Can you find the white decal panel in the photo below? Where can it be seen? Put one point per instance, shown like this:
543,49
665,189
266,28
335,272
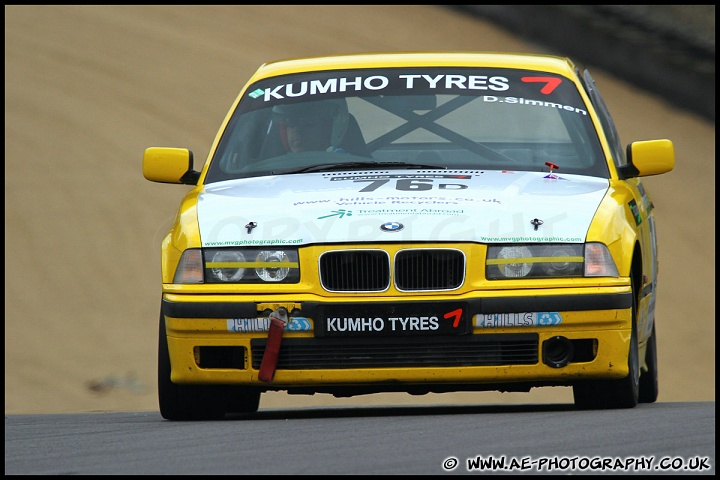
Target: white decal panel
474,206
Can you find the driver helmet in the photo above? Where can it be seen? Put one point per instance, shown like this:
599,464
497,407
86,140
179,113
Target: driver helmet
334,112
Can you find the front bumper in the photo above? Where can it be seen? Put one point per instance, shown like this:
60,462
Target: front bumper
221,339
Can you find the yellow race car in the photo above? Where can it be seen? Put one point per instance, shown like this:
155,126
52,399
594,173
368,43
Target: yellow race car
410,222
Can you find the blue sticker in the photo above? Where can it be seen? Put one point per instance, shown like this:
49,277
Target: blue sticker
299,324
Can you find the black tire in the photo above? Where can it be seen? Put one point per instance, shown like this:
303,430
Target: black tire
243,400
612,394
186,402
649,378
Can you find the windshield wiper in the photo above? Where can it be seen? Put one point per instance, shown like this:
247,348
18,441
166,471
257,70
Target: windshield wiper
331,167
411,165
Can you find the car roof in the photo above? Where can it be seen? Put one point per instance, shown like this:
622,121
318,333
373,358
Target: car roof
546,63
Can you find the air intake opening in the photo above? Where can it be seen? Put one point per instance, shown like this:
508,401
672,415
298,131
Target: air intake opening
220,357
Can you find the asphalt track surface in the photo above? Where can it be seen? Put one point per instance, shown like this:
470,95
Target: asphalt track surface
662,438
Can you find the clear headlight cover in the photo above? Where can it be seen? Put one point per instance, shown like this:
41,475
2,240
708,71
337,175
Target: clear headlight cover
549,261
226,265
251,265
275,265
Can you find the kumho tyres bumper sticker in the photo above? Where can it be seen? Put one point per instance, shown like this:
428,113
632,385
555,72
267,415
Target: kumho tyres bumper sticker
391,319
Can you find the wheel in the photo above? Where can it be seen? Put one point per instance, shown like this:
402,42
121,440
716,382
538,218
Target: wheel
649,378
243,400
186,402
609,394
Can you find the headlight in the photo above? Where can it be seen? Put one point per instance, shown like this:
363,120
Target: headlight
547,261
226,265
238,265
510,261
273,265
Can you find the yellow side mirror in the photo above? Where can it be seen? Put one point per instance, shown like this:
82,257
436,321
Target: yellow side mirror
650,157
169,165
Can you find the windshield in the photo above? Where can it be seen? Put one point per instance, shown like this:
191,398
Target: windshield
432,117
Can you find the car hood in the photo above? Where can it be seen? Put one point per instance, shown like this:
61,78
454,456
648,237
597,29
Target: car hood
399,206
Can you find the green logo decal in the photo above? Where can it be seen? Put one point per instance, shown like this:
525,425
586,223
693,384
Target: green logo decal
257,93
636,212
338,213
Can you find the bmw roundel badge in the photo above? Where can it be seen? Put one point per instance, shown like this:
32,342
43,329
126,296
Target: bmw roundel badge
391,227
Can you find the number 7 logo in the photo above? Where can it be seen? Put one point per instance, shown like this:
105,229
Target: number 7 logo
455,313
551,83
